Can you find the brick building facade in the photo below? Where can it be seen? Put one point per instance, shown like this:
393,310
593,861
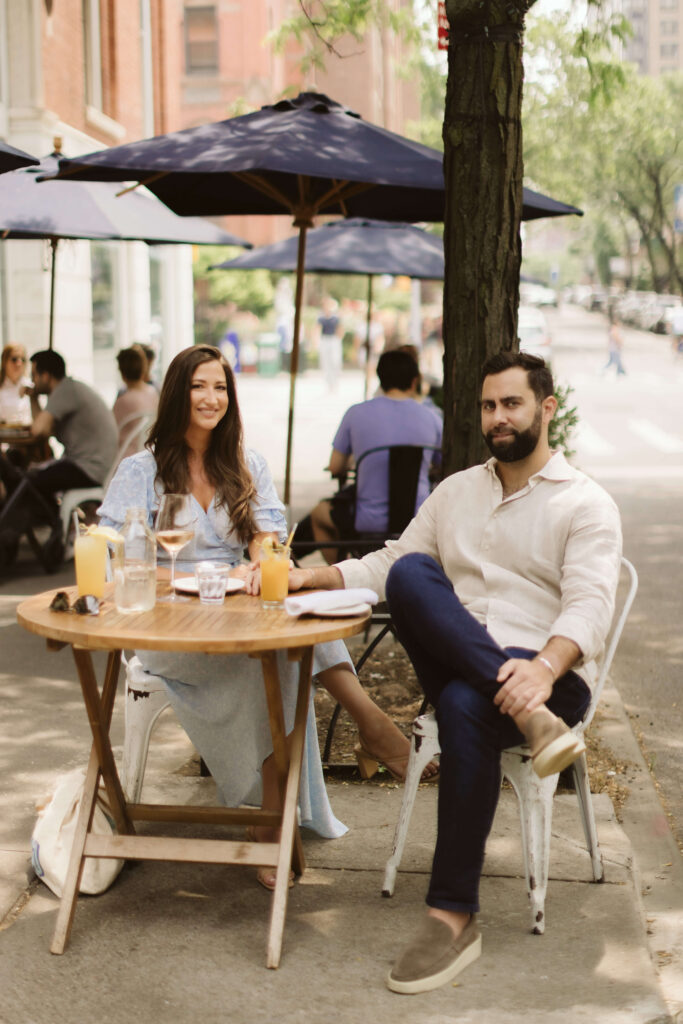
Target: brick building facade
100,72
95,73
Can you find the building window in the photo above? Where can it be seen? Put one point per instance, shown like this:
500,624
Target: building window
668,28
104,276
668,50
201,40
92,38
668,5
157,295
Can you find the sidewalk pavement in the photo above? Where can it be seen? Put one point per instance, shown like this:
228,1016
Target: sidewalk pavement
181,943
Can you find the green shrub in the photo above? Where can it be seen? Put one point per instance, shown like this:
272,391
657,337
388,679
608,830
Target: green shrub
564,421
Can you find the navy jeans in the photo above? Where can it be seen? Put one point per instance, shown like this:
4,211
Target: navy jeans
24,507
457,661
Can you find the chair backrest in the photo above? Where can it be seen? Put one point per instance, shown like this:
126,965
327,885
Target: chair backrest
619,621
131,430
403,471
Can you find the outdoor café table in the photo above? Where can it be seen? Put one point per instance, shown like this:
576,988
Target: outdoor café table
239,625
15,435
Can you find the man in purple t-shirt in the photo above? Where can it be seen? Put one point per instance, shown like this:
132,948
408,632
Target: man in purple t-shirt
392,418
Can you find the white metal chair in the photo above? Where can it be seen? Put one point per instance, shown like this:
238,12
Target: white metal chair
146,698
131,431
535,795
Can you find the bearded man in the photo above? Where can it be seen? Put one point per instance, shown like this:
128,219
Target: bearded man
502,592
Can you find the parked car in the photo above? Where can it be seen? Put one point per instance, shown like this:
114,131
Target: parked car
533,294
667,306
532,331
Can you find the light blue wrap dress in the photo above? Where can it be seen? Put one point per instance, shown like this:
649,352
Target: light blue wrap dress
220,699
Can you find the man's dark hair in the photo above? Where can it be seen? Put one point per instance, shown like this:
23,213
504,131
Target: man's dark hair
150,353
397,369
48,361
538,374
131,364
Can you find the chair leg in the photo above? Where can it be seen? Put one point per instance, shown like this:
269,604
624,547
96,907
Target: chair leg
424,745
144,704
535,810
583,793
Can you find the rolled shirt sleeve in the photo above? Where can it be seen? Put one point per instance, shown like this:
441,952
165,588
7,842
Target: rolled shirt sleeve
590,574
267,509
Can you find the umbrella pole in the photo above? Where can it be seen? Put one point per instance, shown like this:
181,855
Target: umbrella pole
367,339
294,365
53,261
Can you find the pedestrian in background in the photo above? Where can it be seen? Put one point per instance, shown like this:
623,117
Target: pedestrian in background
330,343
615,344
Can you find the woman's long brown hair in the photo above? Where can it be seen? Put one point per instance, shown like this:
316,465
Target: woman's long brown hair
224,459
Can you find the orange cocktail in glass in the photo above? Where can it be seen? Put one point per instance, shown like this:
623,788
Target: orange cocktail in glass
274,562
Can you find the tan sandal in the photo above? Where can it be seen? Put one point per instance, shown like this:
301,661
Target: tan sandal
368,766
266,875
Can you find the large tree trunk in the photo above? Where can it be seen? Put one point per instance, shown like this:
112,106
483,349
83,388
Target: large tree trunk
483,169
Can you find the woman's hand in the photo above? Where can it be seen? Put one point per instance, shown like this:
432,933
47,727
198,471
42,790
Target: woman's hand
240,572
252,578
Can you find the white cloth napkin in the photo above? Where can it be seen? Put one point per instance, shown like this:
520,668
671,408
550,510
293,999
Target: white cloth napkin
329,600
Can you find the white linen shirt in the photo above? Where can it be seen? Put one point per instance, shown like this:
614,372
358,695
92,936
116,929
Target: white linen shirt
543,562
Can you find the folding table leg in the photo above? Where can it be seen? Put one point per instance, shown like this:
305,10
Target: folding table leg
99,714
67,905
289,833
103,708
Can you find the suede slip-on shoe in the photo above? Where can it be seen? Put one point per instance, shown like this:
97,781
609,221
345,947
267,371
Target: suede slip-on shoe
434,957
553,745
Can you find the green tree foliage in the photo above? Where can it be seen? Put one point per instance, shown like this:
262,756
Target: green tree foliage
335,28
618,155
483,172
219,293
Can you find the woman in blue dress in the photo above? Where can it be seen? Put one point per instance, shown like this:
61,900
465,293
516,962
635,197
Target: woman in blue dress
195,446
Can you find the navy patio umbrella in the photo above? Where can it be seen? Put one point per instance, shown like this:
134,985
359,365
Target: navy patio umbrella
91,210
354,246
11,158
306,156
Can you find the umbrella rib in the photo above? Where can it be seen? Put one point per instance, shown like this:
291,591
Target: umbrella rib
147,181
266,187
342,191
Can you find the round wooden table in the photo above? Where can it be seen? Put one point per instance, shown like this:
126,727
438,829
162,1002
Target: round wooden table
238,626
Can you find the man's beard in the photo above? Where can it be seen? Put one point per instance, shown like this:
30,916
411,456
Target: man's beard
523,443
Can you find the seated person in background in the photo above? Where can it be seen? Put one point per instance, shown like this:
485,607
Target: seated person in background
15,404
80,420
150,355
421,387
138,397
392,417
502,592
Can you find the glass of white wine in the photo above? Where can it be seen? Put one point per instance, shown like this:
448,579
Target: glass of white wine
174,527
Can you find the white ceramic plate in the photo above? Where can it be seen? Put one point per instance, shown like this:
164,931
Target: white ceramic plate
340,613
188,585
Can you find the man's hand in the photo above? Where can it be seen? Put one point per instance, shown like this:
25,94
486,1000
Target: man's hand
300,578
320,577
525,686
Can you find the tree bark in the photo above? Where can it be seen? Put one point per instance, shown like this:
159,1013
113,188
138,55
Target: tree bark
483,171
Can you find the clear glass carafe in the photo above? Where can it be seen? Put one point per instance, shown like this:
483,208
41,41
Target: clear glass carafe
135,565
